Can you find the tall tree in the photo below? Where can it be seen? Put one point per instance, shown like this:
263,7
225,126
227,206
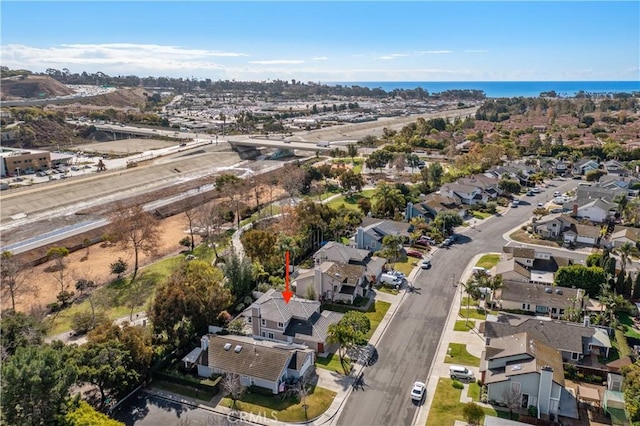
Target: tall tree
625,252
107,365
631,383
190,216
386,199
352,151
36,381
59,255
14,281
350,181
85,415
391,247
17,330
133,228
239,276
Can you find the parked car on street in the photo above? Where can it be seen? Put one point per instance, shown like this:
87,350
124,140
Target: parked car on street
418,391
425,264
414,253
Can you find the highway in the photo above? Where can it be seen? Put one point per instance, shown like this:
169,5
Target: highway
408,346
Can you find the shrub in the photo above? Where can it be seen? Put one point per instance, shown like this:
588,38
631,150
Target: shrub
472,413
457,385
532,411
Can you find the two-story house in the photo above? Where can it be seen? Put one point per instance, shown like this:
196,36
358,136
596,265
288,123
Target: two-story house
567,228
577,342
370,233
614,167
339,253
467,194
522,366
300,321
338,282
585,165
431,204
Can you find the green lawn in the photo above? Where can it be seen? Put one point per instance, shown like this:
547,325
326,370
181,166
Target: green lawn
333,363
446,407
464,326
375,313
183,390
474,391
264,212
474,313
284,410
627,322
488,261
407,266
351,201
457,354
469,300
384,289
481,215
116,294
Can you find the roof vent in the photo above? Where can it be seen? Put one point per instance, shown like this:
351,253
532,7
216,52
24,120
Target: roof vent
227,346
516,367
548,290
237,349
558,291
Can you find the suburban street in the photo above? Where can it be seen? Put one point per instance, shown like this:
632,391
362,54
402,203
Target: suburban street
407,349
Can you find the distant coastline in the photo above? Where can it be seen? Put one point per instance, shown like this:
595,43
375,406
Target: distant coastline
504,89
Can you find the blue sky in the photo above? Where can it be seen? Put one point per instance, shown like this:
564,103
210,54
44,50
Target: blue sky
328,41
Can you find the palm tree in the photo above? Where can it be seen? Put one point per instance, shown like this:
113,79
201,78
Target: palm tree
386,199
472,289
391,246
626,251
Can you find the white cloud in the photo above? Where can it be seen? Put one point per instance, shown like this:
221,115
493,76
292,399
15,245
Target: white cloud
319,58
433,52
386,58
278,62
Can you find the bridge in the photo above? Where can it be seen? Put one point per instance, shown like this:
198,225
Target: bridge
248,146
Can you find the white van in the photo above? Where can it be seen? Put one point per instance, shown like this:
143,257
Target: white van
460,373
390,279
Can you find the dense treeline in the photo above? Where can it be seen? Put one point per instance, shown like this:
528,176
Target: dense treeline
502,109
277,88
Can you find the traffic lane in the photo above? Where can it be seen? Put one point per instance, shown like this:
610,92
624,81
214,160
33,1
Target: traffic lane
149,410
408,346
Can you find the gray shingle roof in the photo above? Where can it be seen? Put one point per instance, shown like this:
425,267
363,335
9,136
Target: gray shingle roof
315,328
253,360
274,308
340,253
565,336
535,293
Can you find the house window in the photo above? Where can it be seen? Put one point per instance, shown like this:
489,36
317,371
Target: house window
270,335
263,334
263,322
249,320
575,356
281,325
515,387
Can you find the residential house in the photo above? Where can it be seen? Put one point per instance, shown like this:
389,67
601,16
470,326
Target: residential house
431,204
522,364
339,253
527,265
585,165
262,364
300,321
370,233
618,184
614,167
567,228
539,299
623,234
561,168
466,194
598,210
577,342
338,282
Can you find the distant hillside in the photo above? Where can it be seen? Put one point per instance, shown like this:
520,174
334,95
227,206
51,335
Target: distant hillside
42,131
121,98
32,87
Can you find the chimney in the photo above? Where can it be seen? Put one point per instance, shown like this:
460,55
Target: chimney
586,321
575,210
360,238
204,342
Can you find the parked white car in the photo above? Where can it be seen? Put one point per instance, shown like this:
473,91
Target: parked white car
418,391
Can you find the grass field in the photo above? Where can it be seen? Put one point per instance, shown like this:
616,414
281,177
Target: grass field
627,322
474,313
333,363
351,201
375,314
457,354
446,407
118,293
481,215
464,326
488,261
284,410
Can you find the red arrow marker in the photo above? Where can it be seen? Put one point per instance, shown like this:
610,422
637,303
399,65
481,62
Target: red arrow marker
287,293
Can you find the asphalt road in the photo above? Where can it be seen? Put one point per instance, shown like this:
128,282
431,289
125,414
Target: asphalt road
409,344
148,410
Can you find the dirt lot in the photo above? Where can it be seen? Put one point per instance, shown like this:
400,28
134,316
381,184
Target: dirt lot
96,265
127,146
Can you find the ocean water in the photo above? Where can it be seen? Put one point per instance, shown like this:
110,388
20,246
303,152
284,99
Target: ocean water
504,89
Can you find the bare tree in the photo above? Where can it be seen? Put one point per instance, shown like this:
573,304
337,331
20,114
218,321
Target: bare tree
511,397
210,218
190,218
13,277
233,387
59,255
135,229
293,178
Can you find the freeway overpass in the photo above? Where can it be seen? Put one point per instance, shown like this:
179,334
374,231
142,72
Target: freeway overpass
248,146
